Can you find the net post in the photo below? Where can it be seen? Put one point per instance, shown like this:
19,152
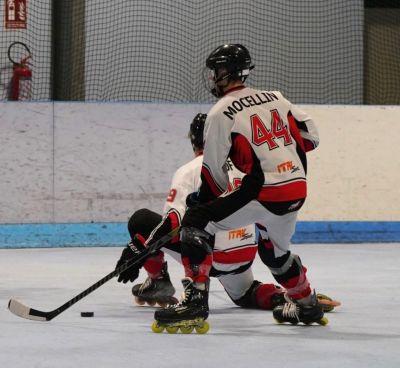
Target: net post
69,42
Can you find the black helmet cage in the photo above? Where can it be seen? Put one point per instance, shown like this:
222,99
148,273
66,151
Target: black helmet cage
230,61
196,131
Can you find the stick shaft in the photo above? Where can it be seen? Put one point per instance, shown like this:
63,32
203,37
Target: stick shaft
17,308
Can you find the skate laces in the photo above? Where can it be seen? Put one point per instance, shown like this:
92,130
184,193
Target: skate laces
185,296
287,298
291,310
147,283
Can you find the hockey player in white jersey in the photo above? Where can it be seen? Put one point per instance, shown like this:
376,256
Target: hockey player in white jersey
267,138
233,252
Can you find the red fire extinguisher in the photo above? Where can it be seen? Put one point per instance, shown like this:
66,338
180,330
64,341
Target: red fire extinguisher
21,82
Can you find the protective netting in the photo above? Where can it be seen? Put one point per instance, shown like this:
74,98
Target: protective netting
155,50
313,51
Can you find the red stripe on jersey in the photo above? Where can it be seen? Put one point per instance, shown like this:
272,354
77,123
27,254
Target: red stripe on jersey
175,222
209,180
283,192
236,256
242,154
295,132
308,145
233,89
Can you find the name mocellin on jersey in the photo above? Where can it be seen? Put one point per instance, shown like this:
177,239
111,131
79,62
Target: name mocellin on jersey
248,101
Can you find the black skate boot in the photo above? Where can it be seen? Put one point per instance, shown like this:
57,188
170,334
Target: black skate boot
328,304
278,299
156,291
190,313
294,312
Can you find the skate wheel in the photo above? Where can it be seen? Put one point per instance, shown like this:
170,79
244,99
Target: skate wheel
139,301
327,303
323,297
163,304
155,327
323,321
152,303
172,329
187,329
203,328
327,308
277,321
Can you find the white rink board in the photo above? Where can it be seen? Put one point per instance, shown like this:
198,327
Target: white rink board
93,162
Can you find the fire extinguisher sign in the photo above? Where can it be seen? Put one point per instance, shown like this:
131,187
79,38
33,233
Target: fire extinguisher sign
15,14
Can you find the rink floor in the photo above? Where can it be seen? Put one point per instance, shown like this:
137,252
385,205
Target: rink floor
363,332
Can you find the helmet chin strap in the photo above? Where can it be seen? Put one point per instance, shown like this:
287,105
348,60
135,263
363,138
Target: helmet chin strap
218,91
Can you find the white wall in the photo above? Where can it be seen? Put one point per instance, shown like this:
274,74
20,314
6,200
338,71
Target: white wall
355,173
76,162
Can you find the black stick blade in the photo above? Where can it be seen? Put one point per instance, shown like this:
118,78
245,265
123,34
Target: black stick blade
23,311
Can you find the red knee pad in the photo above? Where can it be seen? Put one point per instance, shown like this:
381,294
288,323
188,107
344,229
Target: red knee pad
264,295
198,272
154,265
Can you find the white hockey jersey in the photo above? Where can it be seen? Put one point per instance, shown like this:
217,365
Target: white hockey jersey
233,248
265,136
187,180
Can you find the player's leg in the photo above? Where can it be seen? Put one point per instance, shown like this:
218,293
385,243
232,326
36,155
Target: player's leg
193,309
197,261
288,270
246,292
233,254
157,288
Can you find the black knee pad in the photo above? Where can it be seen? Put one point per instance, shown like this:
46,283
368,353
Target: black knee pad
195,244
248,300
282,268
143,222
267,255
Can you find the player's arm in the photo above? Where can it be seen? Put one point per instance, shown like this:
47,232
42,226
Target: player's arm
182,185
214,175
174,210
303,122
306,126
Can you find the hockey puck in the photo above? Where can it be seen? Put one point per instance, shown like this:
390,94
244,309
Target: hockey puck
87,314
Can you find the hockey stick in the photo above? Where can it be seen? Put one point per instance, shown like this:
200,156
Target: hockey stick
24,311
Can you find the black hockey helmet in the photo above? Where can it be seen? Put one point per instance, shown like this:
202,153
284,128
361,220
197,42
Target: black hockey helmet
229,61
196,131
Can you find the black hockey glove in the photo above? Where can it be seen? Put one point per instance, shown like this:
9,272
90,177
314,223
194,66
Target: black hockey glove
134,248
192,199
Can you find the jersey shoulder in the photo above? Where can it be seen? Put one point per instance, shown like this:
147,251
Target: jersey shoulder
191,168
